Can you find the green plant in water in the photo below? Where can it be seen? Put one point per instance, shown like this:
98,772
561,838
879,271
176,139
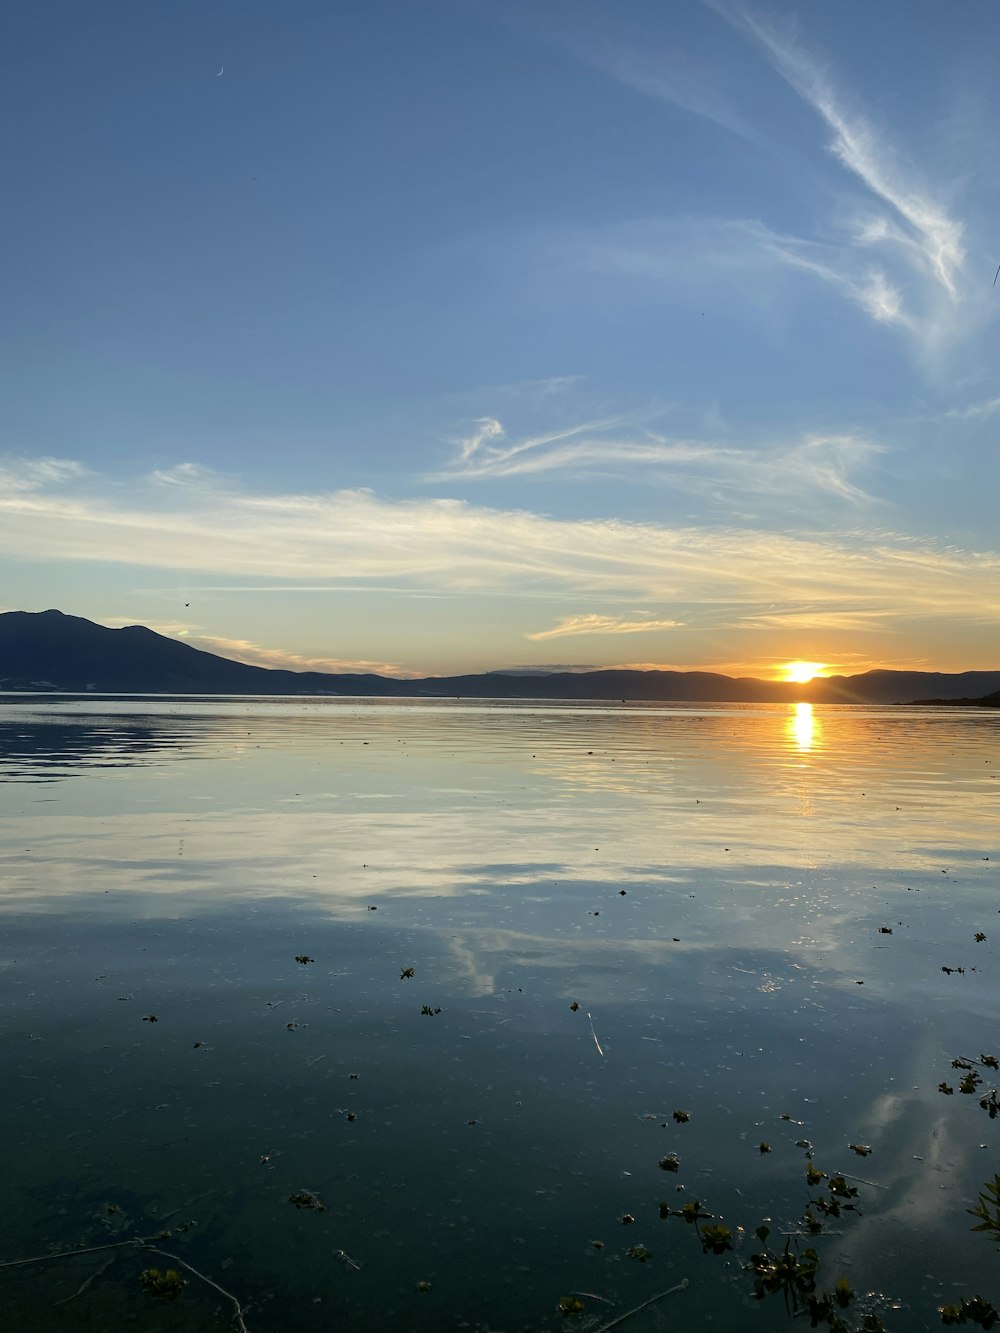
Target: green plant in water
306,1199
987,1208
972,1080
787,1272
715,1239
168,1285
976,1311
639,1252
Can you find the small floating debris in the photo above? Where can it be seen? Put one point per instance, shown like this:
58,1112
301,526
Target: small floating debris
426,1009
682,1117
406,973
669,1163
151,1018
304,958
306,1199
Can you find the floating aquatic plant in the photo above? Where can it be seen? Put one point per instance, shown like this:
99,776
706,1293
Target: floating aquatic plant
976,1311
306,1199
167,1285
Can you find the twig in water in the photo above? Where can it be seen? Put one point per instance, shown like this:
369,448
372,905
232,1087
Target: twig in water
681,1286
348,1260
594,1035
68,1254
861,1180
87,1281
191,1269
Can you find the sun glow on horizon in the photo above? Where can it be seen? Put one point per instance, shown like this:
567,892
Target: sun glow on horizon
801,673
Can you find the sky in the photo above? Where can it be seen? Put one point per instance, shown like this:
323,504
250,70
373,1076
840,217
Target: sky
433,336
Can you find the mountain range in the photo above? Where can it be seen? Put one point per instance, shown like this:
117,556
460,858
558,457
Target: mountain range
52,651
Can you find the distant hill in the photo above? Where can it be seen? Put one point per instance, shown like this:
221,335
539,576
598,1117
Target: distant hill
48,650
987,701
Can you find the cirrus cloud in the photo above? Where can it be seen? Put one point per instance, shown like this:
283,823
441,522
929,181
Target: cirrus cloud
597,624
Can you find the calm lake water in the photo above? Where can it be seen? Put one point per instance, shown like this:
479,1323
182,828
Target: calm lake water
714,888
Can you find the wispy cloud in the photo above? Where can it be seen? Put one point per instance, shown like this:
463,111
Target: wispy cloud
444,547
596,624
244,650
973,411
823,464
904,218
22,475
676,77
820,618
895,249
921,224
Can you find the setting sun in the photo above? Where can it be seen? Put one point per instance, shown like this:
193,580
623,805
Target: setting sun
800,673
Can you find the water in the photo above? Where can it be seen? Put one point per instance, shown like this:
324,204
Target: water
710,886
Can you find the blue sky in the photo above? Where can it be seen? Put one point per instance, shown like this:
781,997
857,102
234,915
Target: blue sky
432,337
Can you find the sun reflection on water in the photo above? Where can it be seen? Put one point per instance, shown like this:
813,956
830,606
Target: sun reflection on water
803,727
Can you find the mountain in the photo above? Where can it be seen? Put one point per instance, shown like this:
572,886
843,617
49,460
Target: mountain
987,701
48,650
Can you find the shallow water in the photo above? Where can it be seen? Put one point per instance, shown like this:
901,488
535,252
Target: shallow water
711,886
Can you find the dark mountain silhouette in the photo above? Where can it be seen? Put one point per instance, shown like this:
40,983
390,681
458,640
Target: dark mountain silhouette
48,650
987,701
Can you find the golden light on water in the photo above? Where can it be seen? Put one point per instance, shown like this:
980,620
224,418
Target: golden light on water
802,726
800,673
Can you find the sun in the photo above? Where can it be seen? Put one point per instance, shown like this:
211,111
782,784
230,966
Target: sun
800,673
